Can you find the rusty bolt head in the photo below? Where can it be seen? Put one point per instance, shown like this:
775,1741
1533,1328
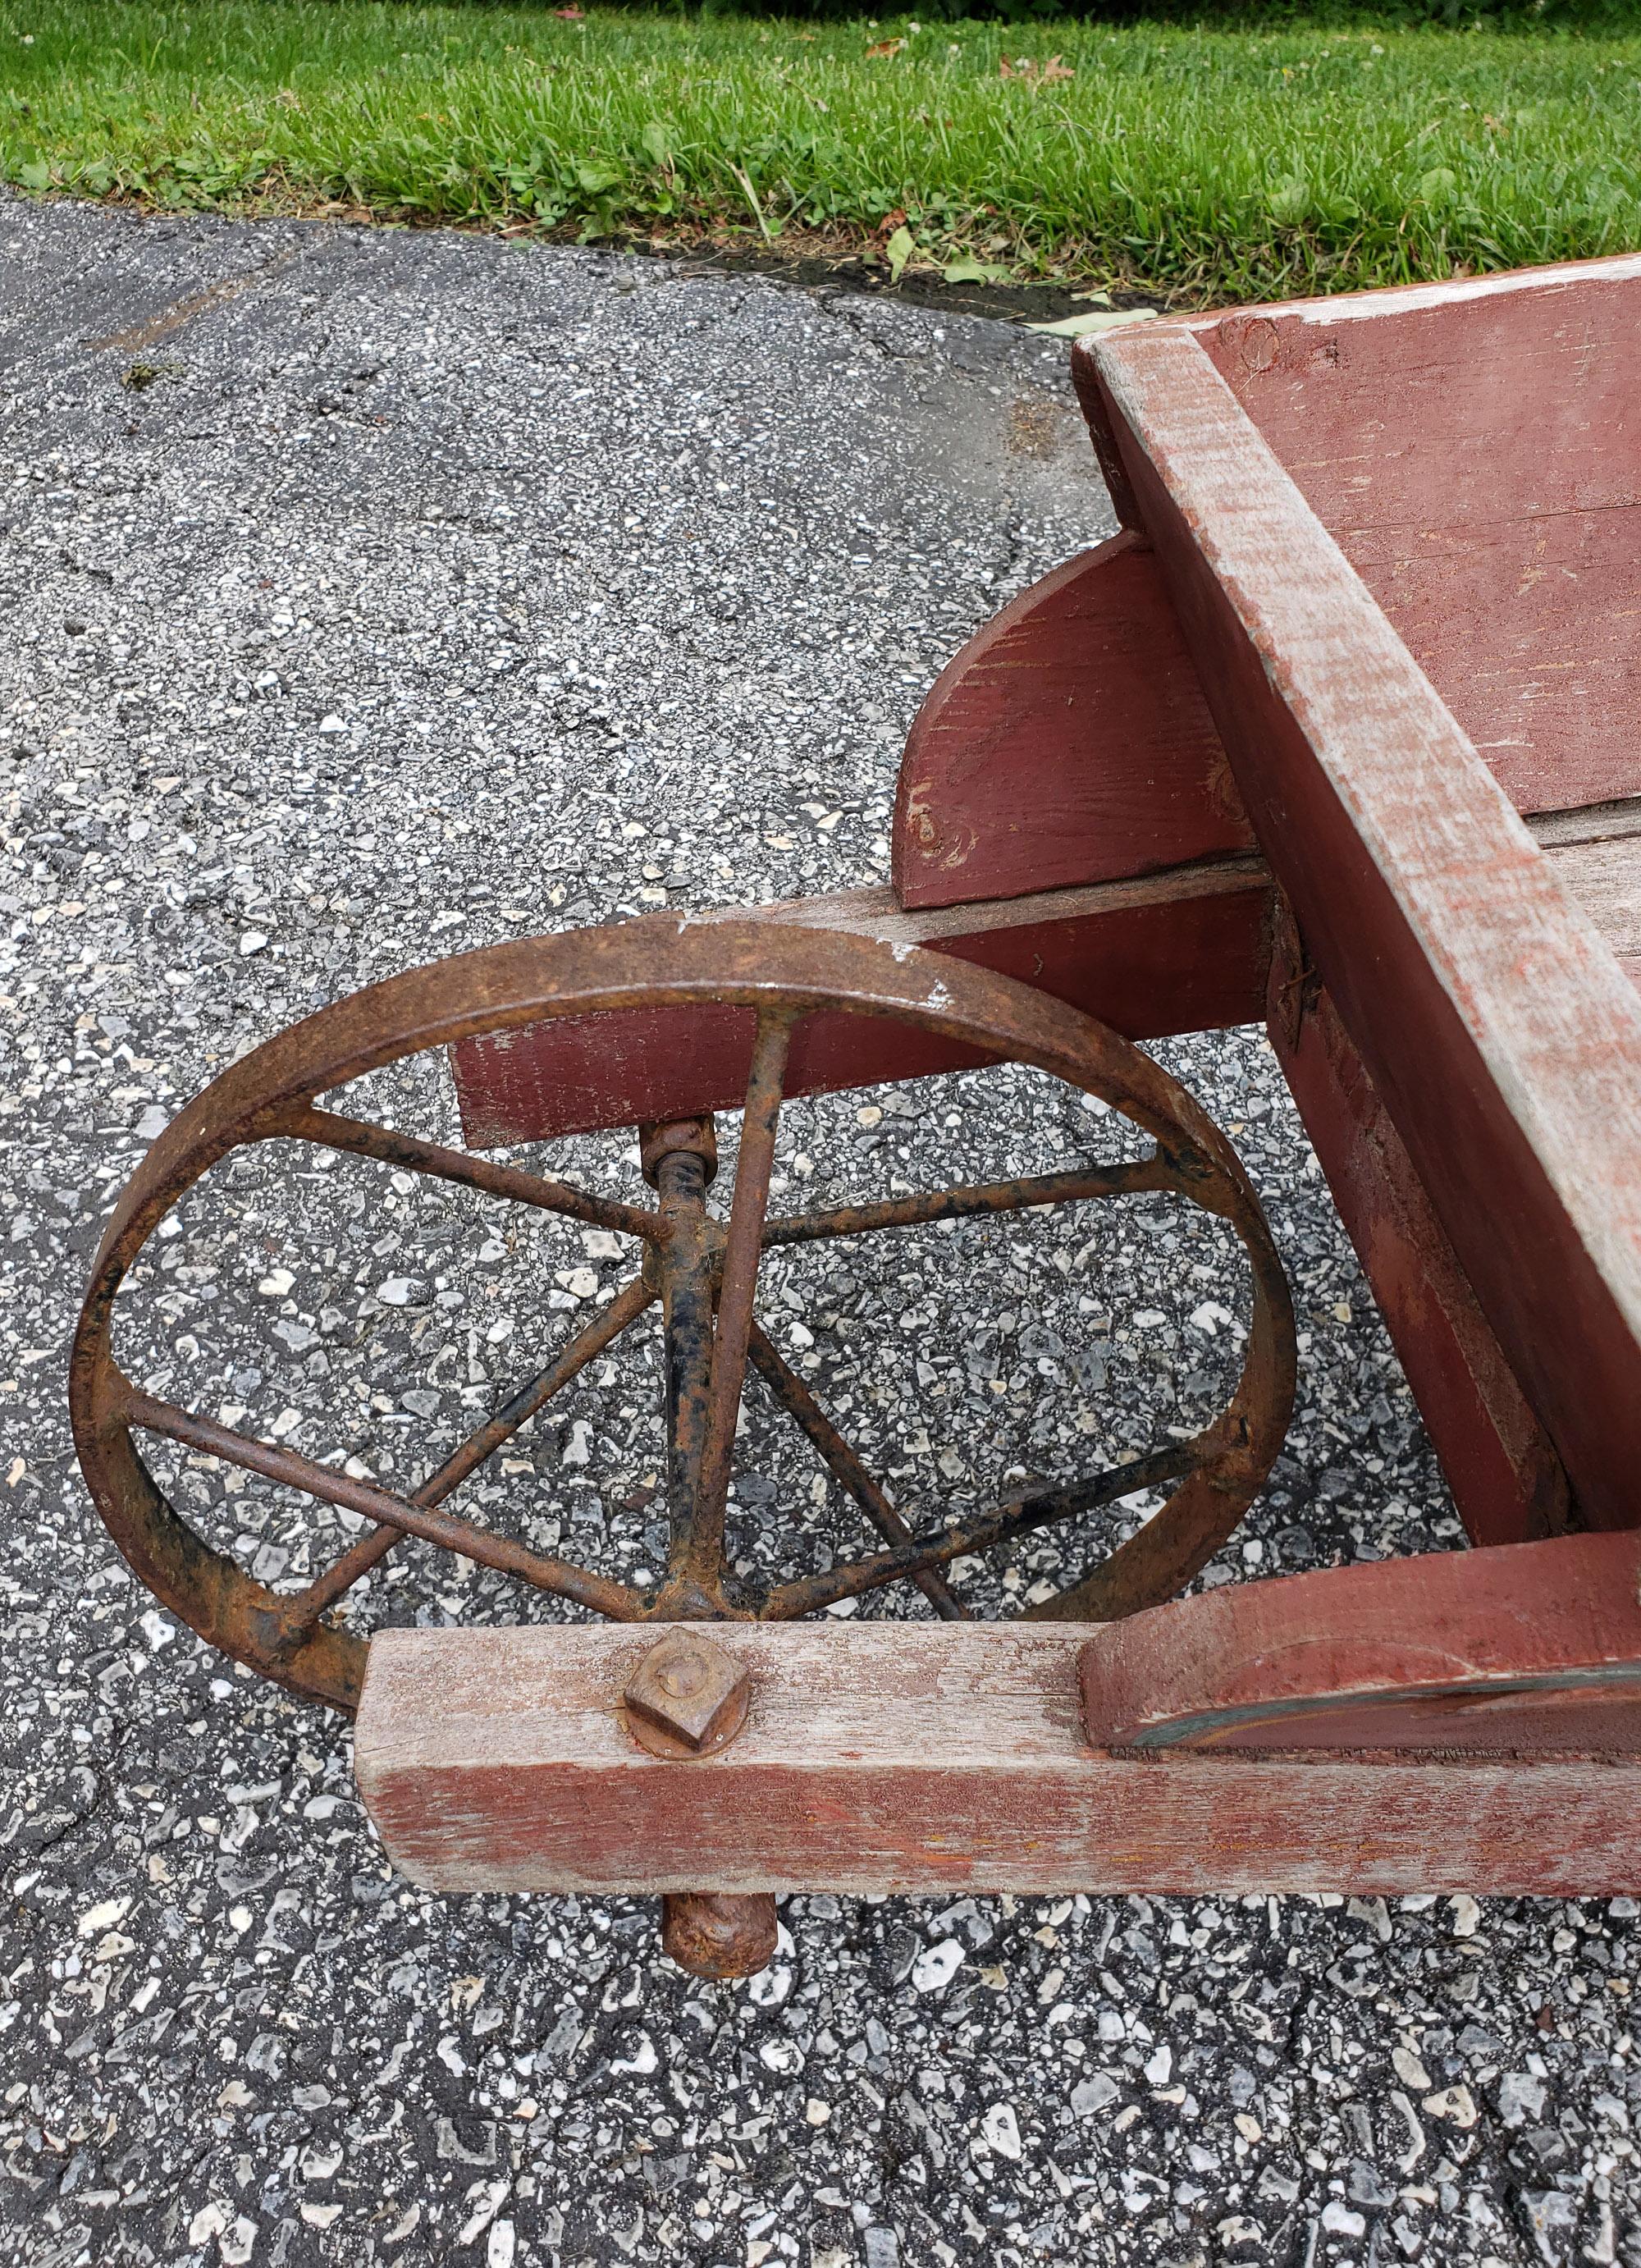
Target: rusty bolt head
688,1697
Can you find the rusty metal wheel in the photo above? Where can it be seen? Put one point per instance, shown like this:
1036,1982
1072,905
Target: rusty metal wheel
702,1272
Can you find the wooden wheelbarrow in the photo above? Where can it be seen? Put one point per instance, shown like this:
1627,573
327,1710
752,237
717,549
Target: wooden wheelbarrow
1342,733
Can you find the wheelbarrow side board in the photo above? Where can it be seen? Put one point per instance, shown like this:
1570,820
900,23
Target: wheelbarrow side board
1492,1016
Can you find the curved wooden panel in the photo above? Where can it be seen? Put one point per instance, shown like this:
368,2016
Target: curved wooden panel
1530,1649
1069,741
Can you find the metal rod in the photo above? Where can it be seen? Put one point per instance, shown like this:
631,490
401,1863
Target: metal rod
304,1123
605,1597
845,1466
738,1284
983,1533
686,1265
306,1608
1131,1177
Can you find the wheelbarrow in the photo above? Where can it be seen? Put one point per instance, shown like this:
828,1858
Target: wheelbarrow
1337,735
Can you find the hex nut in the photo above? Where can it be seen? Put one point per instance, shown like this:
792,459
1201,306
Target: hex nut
688,1697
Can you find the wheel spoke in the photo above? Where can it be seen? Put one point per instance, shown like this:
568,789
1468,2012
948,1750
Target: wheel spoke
985,1533
742,1246
686,1269
1130,1178
357,1561
308,1124
845,1466
396,1512
1160,1559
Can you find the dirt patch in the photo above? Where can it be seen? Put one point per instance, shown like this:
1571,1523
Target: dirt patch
808,268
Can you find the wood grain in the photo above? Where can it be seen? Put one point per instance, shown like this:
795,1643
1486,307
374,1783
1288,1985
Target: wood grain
1174,952
917,1757
1478,456
1475,450
1493,1020
1180,951
1507,1482
1528,1650
1069,741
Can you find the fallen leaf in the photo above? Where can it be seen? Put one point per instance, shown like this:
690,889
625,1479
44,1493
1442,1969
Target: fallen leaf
569,15
1032,71
966,269
885,47
1100,318
898,251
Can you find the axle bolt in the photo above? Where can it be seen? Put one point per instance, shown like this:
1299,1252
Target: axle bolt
688,1697
661,1138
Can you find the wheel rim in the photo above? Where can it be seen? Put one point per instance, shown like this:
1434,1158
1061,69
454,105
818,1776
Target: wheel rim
704,1277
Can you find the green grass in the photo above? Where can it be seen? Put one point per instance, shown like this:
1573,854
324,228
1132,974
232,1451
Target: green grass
1215,163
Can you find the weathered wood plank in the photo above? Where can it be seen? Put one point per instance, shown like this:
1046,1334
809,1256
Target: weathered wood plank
1604,874
1493,1020
885,1757
1506,1480
1528,1650
1166,954
1174,952
1067,742
1477,452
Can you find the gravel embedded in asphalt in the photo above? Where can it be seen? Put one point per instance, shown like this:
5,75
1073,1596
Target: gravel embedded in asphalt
370,595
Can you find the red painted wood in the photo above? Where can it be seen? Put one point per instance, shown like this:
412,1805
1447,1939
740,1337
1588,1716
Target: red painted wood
1506,1479
577,1074
918,1756
1170,953
1531,1649
1495,1023
1068,741
1173,952
1475,450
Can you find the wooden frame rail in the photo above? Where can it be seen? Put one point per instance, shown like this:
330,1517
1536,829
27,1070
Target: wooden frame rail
922,1758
